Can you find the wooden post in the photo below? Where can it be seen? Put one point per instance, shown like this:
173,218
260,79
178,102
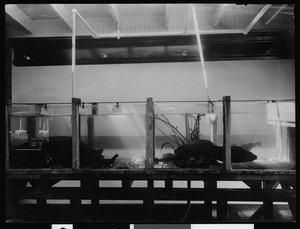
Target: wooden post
149,201
75,133
91,128
268,203
227,132
210,187
150,134
187,128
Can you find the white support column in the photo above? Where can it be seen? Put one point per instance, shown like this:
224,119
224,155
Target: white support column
200,48
73,51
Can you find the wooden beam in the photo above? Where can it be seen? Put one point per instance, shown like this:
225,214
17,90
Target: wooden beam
63,13
219,12
187,20
257,17
276,13
227,132
75,133
18,15
115,15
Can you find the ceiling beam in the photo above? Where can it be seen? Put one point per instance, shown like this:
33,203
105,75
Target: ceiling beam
63,13
276,13
18,15
257,17
167,16
219,12
187,20
115,15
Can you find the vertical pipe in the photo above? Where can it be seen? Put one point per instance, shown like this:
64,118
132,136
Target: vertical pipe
75,133
200,49
227,132
150,135
73,51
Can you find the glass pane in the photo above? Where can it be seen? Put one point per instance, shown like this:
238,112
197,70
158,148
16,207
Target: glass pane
178,124
40,136
115,133
267,130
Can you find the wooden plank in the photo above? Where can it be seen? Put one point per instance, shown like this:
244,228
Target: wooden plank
63,13
150,134
18,15
227,132
257,17
163,174
113,9
75,133
276,13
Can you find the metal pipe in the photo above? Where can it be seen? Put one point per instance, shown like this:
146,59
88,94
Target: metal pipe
200,49
73,50
82,19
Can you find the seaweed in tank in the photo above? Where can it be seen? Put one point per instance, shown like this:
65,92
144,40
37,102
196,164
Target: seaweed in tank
196,152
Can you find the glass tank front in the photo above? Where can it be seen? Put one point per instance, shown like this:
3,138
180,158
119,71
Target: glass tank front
266,129
116,134
186,135
40,136
190,135
181,124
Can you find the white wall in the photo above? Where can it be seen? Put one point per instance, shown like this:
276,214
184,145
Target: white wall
249,79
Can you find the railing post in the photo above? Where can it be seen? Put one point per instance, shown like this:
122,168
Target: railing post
150,134
75,133
227,132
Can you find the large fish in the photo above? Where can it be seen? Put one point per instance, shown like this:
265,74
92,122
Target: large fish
205,149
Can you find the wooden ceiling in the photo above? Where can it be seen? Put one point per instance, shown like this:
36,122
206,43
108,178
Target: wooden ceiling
148,32
54,20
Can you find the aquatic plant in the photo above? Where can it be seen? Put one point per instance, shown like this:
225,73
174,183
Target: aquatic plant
177,137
